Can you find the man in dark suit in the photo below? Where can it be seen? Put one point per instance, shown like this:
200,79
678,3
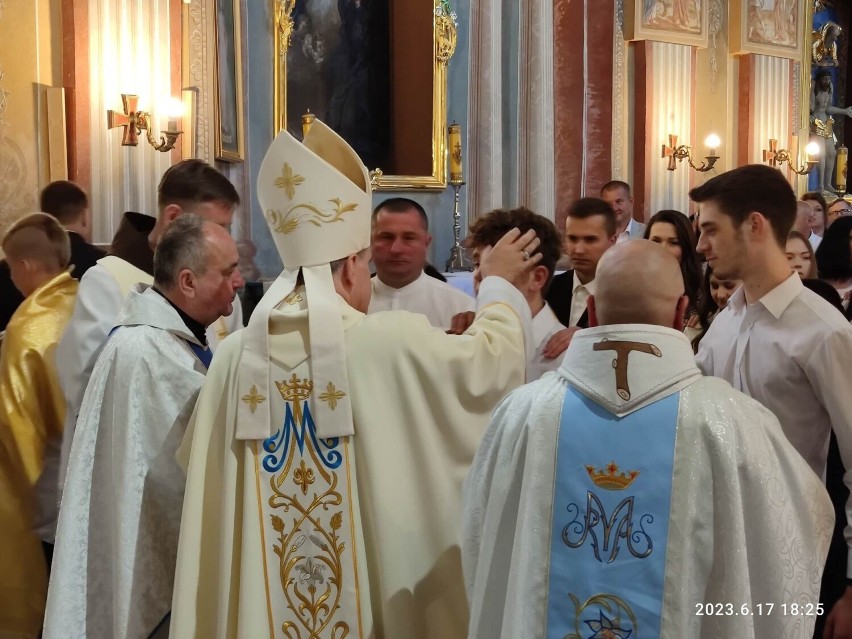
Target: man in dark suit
68,203
590,229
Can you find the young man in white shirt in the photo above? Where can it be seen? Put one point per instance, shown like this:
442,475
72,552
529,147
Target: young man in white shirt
399,241
776,341
617,194
486,232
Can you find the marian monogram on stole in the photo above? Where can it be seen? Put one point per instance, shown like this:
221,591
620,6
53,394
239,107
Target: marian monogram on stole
307,523
610,524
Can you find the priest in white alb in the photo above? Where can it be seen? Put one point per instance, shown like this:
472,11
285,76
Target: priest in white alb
628,496
189,186
328,447
113,565
399,241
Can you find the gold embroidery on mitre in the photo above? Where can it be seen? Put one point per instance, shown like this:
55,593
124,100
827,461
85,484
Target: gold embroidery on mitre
609,478
289,181
620,363
294,298
253,398
286,223
332,396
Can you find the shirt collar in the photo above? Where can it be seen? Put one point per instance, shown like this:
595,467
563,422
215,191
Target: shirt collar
589,286
196,328
384,288
775,301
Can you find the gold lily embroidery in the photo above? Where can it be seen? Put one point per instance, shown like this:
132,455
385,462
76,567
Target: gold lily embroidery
289,181
332,396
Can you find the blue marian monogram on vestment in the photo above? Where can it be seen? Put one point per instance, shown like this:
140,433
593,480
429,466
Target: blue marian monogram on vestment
620,522
278,446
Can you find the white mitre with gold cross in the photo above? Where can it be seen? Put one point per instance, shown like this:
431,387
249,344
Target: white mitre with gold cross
316,199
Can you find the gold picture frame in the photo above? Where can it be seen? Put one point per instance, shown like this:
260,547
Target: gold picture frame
228,85
673,21
753,30
444,37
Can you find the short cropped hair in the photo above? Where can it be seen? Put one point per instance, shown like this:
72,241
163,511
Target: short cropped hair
587,207
489,228
401,205
833,255
184,245
192,182
64,200
41,238
615,184
750,188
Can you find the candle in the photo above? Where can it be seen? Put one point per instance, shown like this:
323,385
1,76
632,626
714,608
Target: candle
456,174
307,121
713,142
840,173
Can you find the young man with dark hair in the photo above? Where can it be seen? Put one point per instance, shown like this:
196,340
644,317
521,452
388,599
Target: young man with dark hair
617,194
399,241
69,204
485,233
190,186
776,340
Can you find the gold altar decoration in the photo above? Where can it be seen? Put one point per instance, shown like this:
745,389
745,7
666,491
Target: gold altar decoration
444,40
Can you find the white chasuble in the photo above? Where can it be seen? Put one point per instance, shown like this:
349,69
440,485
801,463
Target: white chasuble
269,545
627,496
116,539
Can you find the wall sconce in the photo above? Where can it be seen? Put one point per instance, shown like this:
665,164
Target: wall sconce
777,157
683,152
134,121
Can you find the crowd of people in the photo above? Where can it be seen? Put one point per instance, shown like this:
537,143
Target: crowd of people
649,442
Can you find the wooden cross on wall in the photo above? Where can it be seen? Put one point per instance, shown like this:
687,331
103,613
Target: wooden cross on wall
772,154
669,152
128,120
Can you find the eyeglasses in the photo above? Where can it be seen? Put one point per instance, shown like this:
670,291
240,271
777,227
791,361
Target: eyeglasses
838,212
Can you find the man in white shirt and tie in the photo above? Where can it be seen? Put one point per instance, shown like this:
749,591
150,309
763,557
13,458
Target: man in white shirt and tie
617,194
399,241
776,340
590,229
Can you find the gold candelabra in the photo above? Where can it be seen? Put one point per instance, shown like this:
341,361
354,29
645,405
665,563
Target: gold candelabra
683,152
775,157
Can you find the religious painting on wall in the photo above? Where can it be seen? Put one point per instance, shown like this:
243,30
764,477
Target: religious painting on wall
338,68
229,83
674,21
767,27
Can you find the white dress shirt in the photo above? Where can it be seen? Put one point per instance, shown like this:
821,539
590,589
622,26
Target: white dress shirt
431,297
791,350
815,240
580,293
544,326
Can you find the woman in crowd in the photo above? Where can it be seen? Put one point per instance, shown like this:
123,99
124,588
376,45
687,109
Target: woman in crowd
817,220
713,299
834,258
800,254
673,230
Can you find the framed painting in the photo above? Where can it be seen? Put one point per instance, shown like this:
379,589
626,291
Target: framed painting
674,21
376,73
229,138
767,27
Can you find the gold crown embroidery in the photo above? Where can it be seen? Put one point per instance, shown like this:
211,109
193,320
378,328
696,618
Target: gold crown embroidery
609,478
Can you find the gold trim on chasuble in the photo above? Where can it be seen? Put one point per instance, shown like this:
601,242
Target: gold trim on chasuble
301,507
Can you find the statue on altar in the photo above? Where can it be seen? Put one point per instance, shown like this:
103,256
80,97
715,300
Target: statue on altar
822,126
825,43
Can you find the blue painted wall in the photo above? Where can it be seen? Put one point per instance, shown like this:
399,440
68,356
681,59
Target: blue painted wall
259,44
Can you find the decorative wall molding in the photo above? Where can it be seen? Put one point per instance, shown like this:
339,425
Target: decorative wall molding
714,29
200,73
619,89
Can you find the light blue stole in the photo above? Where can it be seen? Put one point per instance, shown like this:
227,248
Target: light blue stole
611,506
